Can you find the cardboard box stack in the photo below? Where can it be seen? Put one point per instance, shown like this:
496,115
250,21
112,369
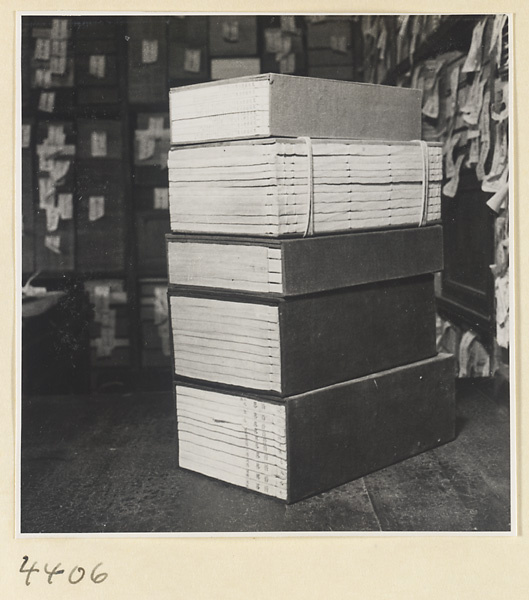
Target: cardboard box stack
305,218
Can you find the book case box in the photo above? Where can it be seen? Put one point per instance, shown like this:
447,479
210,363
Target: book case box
303,445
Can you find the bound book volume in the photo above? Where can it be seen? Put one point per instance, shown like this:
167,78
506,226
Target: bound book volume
305,342
280,187
296,266
314,441
235,438
270,105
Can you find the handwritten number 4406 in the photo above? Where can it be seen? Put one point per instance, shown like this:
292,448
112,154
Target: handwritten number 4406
75,576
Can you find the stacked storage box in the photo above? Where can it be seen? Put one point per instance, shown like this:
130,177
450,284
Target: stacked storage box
301,293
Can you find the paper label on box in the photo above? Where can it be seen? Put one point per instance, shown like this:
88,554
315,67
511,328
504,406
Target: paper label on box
101,301
230,31
473,155
59,169
156,126
483,154
498,169
42,49
47,102
288,23
42,78
159,314
382,43
56,135
496,38
59,28
316,18
484,129
52,218
454,89
160,294
46,193
106,343
59,48
57,65
108,318
472,107
65,206
451,186
104,346
161,198
500,108
45,163
463,139
474,56
146,145
26,136
192,60
53,243
273,40
97,65
96,207
484,118
119,297
98,143
288,64
431,101
448,154
39,76
160,305
149,51
68,150
50,151
339,43
502,295
286,47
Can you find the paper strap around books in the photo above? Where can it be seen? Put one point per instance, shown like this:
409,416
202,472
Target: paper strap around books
425,179
309,229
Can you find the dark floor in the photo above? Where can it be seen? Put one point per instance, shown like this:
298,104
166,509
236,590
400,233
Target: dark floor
108,464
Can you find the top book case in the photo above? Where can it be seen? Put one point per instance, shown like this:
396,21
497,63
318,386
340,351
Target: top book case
270,104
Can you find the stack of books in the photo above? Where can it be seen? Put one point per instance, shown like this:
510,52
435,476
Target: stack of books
301,293
262,106
261,188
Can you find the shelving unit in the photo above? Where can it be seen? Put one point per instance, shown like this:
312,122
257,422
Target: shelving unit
474,235
108,239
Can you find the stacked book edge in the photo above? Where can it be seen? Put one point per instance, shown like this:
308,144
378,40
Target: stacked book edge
309,443
271,104
297,266
292,345
281,187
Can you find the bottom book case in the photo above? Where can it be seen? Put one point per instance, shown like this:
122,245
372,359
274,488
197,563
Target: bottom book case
298,446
